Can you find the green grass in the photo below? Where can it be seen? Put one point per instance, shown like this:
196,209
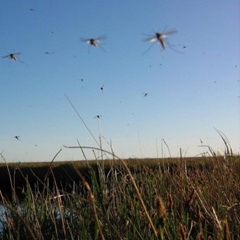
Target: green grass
132,199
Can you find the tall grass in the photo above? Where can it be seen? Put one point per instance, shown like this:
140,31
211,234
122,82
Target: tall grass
177,200
197,199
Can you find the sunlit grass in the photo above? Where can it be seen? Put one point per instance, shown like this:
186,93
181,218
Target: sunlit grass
132,199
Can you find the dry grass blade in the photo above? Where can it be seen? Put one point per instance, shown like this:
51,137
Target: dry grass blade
81,119
228,151
60,205
50,166
215,217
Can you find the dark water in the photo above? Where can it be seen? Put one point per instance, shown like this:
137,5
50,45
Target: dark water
2,210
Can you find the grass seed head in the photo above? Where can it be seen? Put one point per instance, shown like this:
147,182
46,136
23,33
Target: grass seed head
200,236
182,232
191,197
199,213
170,204
226,231
189,201
161,210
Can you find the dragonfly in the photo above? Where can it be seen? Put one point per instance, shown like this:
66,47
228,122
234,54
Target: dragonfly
17,137
160,37
95,42
98,116
13,56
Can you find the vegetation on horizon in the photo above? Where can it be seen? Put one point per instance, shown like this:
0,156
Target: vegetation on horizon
161,201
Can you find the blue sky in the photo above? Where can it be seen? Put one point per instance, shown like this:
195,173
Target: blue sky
189,93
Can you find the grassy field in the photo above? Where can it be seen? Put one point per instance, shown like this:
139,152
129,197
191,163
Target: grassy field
185,198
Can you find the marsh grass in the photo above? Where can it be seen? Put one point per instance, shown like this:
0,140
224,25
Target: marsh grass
141,199
182,198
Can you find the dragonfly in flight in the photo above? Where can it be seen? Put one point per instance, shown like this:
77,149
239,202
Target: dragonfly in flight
161,38
13,56
95,42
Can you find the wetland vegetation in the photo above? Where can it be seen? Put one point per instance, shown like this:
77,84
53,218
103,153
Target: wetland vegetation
174,198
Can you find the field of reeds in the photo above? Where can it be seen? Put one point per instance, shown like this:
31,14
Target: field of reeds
181,198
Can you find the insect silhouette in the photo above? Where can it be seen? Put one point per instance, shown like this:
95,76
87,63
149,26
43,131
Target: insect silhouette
145,94
98,116
95,42
48,53
17,137
161,38
102,88
13,56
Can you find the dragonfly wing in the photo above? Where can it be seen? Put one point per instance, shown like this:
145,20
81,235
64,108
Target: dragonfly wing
169,33
97,41
85,40
152,39
101,38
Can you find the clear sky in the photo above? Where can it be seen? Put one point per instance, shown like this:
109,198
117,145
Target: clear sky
192,86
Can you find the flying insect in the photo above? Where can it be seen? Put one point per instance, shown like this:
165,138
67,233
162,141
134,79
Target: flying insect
12,56
95,42
161,38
